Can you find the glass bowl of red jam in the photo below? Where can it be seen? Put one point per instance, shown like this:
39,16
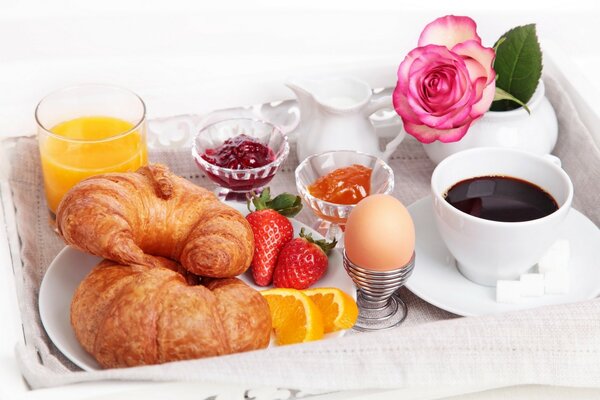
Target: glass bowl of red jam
240,154
332,183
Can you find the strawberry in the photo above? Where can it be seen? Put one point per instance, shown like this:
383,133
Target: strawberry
272,230
302,262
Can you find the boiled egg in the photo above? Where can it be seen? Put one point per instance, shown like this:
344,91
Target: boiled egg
380,234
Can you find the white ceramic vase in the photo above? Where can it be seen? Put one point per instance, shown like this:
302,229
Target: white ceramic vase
535,132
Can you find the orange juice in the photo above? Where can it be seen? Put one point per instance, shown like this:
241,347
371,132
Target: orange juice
88,146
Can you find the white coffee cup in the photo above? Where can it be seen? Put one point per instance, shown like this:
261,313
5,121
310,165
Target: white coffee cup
485,250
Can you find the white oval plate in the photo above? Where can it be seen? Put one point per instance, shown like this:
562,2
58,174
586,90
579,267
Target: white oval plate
436,279
71,266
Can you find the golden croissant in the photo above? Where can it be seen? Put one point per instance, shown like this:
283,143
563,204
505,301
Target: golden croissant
137,315
130,217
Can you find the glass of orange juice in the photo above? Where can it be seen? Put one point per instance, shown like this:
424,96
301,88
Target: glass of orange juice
88,130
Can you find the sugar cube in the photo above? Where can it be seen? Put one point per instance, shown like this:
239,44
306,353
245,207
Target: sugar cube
556,258
508,291
557,282
532,285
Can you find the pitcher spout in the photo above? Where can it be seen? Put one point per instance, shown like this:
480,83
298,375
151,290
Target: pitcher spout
299,84
306,101
301,88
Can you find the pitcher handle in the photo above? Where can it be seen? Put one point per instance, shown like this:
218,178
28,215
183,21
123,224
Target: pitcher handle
379,104
291,129
393,144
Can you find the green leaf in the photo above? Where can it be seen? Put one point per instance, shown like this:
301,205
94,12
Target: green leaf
260,201
502,95
322,243
518,66
285,204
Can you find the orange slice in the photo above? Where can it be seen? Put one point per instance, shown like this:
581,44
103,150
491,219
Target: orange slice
296,318
339,310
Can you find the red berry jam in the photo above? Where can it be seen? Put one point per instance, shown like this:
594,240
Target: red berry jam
240,152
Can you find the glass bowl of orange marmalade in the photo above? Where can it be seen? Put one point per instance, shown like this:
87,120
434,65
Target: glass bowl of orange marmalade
332,183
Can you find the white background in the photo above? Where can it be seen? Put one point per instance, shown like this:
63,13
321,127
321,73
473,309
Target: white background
177,54
195,56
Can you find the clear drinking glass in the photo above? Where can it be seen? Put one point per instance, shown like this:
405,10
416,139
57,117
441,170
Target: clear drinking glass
332,216
88,130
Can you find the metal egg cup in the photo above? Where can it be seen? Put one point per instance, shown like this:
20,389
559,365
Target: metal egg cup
379,305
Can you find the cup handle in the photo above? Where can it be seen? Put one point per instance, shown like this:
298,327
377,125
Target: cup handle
553,159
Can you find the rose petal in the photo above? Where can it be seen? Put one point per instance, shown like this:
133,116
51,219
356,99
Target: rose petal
453,119
403,71
459,86
476,70
403,108
418,57
430,56
450,118
483,55
431,59
446,111
478,85
483,105
454,135
425,134
449,31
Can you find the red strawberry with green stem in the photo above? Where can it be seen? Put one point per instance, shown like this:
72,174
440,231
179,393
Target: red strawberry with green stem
302,262
271,229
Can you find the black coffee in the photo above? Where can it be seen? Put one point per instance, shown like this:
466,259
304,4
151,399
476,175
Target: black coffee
501,198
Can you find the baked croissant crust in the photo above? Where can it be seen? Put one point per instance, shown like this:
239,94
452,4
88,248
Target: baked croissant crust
131,217
137,315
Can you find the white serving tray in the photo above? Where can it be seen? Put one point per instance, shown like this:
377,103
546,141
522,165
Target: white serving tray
177,131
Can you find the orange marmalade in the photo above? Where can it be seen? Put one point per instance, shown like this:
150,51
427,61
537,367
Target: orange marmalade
347,185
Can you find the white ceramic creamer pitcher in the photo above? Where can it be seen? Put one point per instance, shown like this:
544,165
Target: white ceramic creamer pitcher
334,115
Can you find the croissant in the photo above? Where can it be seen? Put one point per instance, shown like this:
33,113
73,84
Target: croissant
136,315
130,217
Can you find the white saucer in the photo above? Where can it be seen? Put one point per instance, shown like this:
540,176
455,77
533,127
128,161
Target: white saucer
436,280
71,266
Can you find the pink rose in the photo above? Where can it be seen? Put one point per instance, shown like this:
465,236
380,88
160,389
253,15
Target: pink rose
446,83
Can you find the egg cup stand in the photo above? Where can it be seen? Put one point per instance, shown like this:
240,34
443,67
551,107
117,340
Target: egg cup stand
379,305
